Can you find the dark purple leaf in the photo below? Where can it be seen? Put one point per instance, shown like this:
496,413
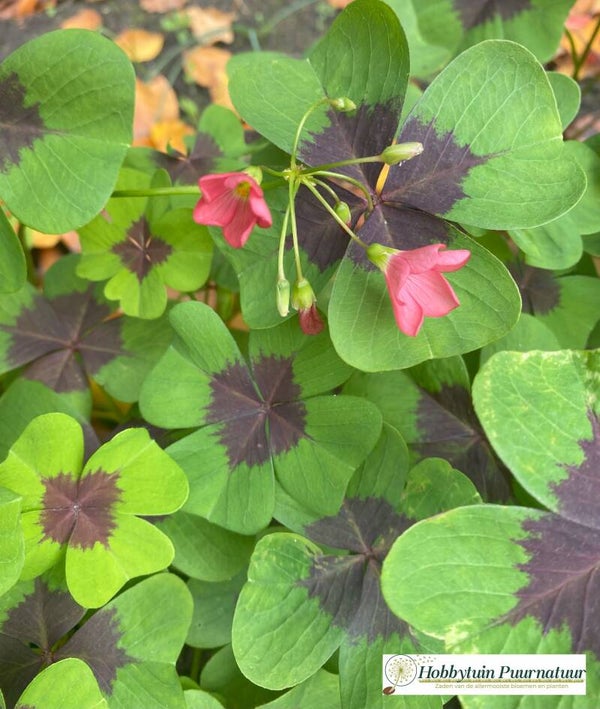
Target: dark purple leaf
260,420
66,339
80,512
564,579
32,637
320,236
97,644
21,124
186,169
564,551
539,289
347,587
140,250
432,181
29,634
361,133
448,428
407,207
579,493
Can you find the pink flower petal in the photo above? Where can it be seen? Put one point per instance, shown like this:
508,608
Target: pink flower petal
452,260
214,185
416,286
233,201
433,293
422,259
217,212
260,209
409,315
310,320
237,230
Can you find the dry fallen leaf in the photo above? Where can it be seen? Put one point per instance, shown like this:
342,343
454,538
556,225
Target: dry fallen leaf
86,19
170,133
210,25
155,101
204,65
207,67
161,5
17,9
40,240
140,45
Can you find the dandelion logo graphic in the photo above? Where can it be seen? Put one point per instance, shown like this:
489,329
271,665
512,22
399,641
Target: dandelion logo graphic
400,670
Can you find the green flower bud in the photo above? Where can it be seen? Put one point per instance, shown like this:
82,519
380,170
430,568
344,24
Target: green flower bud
303,296
342,104
343,212
400,152
283,296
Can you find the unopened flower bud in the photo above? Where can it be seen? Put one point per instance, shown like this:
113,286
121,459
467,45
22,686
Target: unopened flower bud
400,152
304,301
343,212
283,296
303,296
342,104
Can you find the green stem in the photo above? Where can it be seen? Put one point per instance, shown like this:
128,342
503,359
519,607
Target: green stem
293,189
331,211
303,120
31,271
342,163
580,61
571,41
352,181
196,664
326,187
158,191
280,269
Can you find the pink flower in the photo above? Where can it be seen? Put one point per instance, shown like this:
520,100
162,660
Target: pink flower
234,201
305,302
311,323
415,282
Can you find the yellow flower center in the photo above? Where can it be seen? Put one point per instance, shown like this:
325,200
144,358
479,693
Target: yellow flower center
242,190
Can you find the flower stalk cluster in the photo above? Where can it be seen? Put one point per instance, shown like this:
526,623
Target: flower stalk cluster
235,202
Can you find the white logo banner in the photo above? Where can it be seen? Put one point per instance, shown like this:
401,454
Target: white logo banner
483,674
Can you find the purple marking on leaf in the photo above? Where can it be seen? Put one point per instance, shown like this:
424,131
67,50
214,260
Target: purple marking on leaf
320,236
540,291
432,181
97,644
347,587
80,512
21,125
578,494
564,583
29,633
477,12
140,250
448,428
58,370
66,338
246,414
399,228
361,133
186,169
365,526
